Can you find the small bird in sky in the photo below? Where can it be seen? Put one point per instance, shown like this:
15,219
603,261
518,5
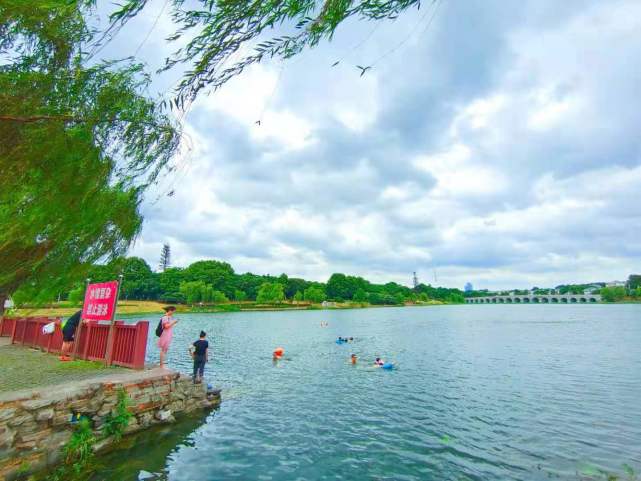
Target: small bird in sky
257,123
171,193
363,69
336,63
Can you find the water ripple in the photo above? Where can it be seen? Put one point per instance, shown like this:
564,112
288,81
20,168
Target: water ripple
480,393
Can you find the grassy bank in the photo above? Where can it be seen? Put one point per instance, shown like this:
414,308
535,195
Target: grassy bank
64,309
131,308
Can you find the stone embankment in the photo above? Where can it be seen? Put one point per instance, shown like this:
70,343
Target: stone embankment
35,425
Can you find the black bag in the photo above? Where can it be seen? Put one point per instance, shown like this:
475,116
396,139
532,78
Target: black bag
159,329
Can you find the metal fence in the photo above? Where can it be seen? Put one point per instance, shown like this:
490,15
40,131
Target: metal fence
127,348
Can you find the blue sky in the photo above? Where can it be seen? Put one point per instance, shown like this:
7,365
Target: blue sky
498,145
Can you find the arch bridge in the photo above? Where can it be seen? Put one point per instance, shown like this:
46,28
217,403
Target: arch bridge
537,299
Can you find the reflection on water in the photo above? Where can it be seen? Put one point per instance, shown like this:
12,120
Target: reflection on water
147,452
480,393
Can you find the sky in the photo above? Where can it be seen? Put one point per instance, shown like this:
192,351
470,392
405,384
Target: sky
491,142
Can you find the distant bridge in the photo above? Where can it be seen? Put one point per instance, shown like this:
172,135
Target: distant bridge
536,299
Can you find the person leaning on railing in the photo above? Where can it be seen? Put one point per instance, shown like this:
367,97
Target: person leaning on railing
69,328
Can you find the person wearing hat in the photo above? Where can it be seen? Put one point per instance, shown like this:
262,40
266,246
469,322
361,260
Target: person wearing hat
278,353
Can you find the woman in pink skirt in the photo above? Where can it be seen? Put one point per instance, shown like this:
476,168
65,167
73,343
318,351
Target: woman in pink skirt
165,338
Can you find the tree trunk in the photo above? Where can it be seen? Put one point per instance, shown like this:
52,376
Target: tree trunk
3,297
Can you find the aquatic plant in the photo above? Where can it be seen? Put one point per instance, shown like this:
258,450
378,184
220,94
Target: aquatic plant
592,473
78,453
115,424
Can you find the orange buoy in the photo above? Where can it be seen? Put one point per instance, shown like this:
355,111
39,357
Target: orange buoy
279,351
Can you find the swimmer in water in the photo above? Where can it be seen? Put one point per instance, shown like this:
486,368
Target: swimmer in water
278,354
353,358
379,362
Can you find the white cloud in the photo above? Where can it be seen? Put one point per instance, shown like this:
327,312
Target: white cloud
248,99
512,165
548,112
458,175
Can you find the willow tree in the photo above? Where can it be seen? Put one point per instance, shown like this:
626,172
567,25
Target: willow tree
78,146
252,31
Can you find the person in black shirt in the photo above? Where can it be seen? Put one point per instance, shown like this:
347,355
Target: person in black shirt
199,351
68,334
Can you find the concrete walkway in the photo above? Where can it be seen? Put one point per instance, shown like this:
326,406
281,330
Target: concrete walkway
22,368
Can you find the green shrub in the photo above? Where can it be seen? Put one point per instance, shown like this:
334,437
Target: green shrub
115,424
78,453
76,296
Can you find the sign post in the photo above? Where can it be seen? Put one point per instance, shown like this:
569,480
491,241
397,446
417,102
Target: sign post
100,305
79,328
110,337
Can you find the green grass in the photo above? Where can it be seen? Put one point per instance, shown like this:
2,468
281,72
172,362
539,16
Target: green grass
80,365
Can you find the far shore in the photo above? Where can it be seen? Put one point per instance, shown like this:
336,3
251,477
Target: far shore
135,308
139,308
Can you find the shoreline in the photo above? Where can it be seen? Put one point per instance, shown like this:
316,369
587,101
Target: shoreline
139,308
39,422
127,309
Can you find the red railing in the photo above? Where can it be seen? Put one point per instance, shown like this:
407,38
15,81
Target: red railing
6,326
125,336
129,341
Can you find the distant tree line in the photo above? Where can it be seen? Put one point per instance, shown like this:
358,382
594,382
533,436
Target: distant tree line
212,282
631,290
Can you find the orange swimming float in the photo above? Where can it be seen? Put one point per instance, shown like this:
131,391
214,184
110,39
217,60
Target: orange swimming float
279,351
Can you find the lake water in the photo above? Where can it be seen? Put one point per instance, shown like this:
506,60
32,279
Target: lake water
480,393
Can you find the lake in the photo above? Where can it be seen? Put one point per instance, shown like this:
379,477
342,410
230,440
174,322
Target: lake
480,392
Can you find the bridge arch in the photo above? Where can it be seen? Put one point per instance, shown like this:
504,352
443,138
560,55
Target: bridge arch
537,299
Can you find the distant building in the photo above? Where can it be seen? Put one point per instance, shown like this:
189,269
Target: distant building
468,287
615,284
594,289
